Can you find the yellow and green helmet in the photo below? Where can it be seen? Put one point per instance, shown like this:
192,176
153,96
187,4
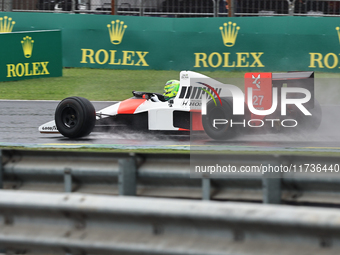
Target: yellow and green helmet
171,88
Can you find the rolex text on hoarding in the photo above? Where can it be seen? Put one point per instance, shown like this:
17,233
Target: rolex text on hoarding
114,57
225,59
27,69
329,60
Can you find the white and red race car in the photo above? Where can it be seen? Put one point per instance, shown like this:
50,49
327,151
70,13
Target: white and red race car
76,117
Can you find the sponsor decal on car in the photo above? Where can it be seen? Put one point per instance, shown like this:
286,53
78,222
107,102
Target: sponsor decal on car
53,128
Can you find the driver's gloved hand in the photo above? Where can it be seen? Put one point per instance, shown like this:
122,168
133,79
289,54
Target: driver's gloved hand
155,98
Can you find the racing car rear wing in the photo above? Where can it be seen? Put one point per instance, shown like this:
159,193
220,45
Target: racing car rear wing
297,79
262,84
292,76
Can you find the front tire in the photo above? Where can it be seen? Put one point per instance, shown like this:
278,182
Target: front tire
75,117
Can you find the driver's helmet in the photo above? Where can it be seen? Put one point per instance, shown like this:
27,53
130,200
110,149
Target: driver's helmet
171,88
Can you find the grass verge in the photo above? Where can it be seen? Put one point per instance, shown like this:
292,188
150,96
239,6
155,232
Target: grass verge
94,84
117,85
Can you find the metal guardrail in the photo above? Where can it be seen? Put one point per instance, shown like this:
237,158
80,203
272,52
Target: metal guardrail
164,175
180,8
33,222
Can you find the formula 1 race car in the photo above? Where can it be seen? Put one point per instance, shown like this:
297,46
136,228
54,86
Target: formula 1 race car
201,104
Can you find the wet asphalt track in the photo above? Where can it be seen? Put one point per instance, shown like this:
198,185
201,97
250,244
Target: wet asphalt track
19,122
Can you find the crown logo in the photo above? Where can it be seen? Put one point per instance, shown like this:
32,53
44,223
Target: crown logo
27,46
6,24
229,33
338,30
116,31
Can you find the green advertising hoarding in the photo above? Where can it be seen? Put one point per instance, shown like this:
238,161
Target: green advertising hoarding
30,54
243,43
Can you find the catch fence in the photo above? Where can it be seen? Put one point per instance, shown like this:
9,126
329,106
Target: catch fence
180,8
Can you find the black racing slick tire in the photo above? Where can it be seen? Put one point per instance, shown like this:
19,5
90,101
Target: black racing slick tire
75,117
217,121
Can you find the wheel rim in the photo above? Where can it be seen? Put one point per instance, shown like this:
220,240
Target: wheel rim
218,113
69,117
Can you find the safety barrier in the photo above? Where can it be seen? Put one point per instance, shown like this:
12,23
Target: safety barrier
25,57
136,43
167,175
91,224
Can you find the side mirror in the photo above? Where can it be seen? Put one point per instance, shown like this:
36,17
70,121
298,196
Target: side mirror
146,96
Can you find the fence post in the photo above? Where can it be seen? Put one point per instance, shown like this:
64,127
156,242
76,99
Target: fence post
215,7
141,8
113,7
291,5
73,5
1,171
206,188
231,8
271,187
127,178
8,5
68,180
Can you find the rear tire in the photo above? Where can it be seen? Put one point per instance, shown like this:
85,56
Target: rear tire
309,123
75,117
222,112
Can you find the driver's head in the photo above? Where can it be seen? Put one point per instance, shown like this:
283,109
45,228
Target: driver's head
171,88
